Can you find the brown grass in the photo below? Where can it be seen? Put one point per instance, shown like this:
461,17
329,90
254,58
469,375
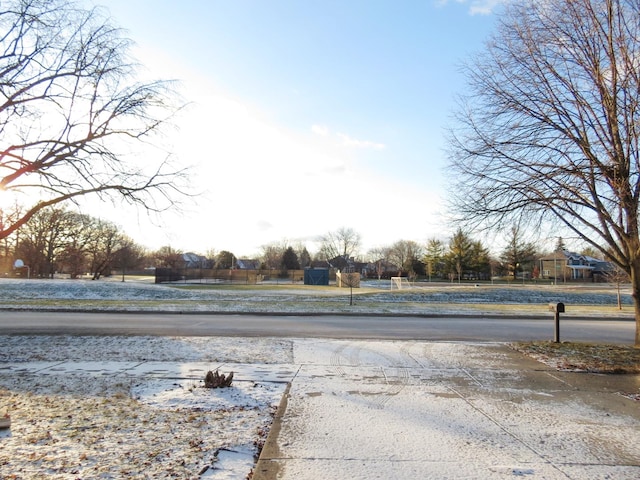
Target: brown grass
585,357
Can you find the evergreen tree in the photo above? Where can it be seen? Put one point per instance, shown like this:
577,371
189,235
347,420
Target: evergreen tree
434,257
460,254
560,246
518,255
304,258
290,259
480,260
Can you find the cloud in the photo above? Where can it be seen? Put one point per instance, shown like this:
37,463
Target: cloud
477,7
263,182
347,141
264,225
320,130
484,7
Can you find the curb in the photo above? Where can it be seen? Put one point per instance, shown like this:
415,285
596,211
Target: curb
480,315
267,467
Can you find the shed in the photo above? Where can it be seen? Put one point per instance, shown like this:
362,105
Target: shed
316,276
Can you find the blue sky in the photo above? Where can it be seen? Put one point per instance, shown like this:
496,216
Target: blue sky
306,116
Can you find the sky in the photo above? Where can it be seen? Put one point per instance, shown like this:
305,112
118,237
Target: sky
304,116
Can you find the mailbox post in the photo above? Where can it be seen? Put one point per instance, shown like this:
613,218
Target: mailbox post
557,309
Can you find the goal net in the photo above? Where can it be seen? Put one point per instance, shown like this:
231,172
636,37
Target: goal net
400,283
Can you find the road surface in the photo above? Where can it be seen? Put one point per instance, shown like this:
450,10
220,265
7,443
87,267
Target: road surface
323,326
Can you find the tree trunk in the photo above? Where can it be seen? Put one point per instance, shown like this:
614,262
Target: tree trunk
637,315
635,288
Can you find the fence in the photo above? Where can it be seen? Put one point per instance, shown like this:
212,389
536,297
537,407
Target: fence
248,277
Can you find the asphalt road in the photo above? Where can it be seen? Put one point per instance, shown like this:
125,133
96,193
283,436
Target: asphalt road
322,326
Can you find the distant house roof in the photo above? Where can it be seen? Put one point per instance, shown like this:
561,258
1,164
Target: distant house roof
248,264
193,260
320,264
572,256
577,261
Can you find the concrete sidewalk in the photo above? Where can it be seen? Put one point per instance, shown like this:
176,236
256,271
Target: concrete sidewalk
388,410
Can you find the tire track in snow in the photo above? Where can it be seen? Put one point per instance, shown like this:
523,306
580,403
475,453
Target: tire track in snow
349,355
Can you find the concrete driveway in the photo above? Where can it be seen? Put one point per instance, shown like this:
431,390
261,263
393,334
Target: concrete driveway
367,409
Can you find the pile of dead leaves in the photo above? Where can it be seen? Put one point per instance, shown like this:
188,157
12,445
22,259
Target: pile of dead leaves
217,380
585,357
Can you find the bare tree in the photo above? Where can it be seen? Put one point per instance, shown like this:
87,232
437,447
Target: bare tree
130,255
404,253
550,130
379,257
74,259
44,239
350,280
9,243
272,255
103,247
168,257
70,106
617,277
343,243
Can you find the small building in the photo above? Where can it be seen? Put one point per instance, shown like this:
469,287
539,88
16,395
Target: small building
316,276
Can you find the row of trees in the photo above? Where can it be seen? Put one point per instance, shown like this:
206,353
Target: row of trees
460,257
57,240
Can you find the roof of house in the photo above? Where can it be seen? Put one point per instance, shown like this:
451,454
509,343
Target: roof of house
248,264
572,256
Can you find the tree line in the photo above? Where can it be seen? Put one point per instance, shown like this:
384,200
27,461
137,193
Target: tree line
460,257
61,241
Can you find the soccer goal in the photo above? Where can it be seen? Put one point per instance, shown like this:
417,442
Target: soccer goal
400,283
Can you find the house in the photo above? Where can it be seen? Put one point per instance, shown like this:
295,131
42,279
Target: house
320,264
247,264
565,265
193,260
347,264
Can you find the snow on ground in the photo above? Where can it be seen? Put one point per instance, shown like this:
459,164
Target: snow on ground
135,407
425,298
113,407
391,409
383,409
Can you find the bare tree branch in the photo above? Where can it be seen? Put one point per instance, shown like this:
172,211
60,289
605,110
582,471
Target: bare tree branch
550,130
72,114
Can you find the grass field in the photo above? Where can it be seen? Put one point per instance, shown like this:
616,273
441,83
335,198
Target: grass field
597,300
